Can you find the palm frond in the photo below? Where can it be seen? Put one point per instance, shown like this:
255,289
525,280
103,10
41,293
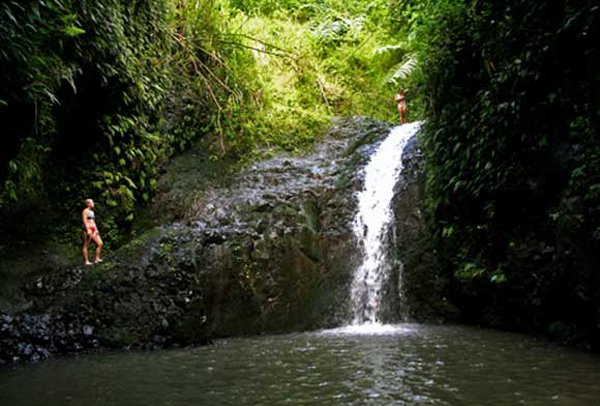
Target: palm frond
402,70
388,48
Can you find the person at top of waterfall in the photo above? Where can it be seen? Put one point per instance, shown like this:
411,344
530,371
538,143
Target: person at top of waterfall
401,100
90,232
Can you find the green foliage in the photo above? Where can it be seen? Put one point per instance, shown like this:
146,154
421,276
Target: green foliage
297,64
30,81
403,70
507,85
579,210
96,96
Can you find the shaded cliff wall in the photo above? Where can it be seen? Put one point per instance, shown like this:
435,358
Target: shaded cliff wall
271,250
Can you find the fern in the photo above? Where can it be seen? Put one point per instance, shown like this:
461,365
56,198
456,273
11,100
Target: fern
402,70
388,48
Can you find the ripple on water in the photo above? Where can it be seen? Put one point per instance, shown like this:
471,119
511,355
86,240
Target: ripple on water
377,365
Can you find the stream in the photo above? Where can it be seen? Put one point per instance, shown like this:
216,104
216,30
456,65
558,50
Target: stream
405,364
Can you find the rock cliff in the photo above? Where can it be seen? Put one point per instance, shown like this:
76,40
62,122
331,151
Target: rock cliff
269,250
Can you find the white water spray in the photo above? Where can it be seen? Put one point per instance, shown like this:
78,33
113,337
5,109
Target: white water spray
372,221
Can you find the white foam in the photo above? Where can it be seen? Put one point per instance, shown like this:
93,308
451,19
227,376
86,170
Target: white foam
371,223
370,329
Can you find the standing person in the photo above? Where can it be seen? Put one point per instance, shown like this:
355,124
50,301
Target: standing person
401,100
91,232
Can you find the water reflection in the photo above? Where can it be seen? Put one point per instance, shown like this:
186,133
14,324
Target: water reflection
381,365
388,361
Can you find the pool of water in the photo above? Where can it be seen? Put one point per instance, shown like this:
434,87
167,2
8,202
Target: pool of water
404,364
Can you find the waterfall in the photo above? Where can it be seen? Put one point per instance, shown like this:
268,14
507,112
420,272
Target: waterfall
372,223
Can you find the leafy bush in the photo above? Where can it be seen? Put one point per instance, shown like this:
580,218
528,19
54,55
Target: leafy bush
512,125
292,69
92,106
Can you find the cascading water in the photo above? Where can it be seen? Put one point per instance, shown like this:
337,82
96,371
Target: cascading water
372,221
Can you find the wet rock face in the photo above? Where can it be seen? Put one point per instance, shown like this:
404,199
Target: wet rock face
272,251
425,289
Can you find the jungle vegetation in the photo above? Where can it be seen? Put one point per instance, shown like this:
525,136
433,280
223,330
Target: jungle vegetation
513,160
97,96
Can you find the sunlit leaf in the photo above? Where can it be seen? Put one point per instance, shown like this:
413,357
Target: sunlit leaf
73,31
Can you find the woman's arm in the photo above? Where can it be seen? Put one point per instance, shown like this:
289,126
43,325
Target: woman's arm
83,215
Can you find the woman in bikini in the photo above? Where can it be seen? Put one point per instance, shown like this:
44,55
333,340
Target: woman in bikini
401,100
91,232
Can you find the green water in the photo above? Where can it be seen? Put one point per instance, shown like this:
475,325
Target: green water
395,365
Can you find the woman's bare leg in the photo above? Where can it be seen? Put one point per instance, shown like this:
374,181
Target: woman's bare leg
86,244
99,245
